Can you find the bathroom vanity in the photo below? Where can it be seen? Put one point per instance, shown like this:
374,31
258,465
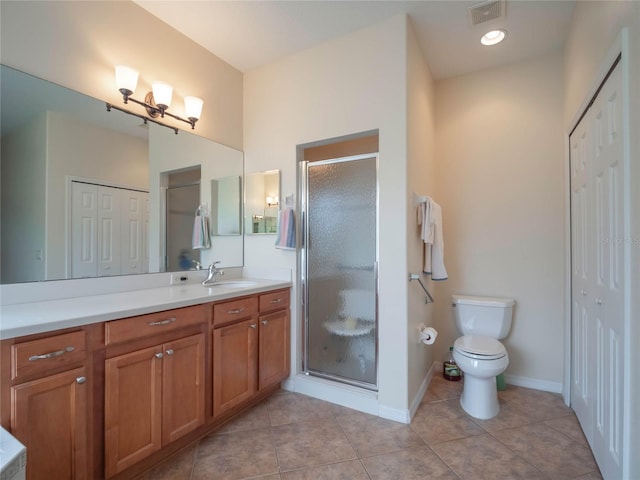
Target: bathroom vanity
127,383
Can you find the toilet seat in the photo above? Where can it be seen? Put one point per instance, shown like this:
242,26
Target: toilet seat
479,347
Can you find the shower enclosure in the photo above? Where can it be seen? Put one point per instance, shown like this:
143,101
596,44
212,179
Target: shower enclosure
182,200
339,269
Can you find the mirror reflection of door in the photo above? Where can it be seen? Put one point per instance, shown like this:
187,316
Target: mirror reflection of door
183,198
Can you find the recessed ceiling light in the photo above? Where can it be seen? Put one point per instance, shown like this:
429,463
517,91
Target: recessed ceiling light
493,37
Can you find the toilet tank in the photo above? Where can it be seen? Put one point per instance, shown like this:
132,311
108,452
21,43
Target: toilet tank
488,316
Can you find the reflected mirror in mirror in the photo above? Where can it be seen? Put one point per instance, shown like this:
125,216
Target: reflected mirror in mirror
226,205
68,164
262,202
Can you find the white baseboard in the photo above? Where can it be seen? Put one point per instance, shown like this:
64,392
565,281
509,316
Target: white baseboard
413,407
395,414
528,382
346,395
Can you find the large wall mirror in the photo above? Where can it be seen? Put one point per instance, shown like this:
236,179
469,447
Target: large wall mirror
87,193
262,202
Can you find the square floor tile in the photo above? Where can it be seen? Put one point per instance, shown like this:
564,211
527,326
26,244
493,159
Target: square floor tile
483,457
411,464
351,470
293,407
443,421
549,450
371,435
307,444
236,455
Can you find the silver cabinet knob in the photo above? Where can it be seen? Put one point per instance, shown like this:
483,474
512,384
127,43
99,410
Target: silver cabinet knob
169,352
253,325
81,380
583,292
263,322
159,355
599,301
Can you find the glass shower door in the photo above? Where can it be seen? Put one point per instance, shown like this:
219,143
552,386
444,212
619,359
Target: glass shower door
340,260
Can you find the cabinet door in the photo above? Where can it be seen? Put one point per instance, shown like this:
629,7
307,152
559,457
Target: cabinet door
182,387
133,414
273,348
234,364
50,419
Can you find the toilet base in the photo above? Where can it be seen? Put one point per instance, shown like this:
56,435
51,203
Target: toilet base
480,397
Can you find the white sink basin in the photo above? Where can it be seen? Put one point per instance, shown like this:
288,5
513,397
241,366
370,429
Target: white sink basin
231,284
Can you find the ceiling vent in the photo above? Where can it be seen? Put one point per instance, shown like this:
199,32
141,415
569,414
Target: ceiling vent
485,11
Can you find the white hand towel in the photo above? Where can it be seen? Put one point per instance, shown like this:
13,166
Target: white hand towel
430,218
201,237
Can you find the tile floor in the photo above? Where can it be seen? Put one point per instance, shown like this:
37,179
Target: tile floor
293,437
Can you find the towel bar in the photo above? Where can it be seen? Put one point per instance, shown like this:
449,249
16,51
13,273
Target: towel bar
415,276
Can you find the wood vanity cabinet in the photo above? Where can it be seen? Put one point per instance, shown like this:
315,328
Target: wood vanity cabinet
156,394
46,388
273,344
250,347
112,399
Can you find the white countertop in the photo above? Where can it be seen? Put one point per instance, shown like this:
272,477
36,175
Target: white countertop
37,317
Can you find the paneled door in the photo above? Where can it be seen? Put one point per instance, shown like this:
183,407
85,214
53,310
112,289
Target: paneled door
109,230
598,212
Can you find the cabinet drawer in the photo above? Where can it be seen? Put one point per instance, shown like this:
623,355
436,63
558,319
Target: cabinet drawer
154,323
41,356
274,300
234,310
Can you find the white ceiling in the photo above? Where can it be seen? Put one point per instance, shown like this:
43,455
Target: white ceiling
249,34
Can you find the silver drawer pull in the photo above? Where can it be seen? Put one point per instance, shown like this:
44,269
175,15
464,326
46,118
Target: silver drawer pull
236,311
253,326
162,322
169,352
276,300
264,322
81,380
159,355
57,353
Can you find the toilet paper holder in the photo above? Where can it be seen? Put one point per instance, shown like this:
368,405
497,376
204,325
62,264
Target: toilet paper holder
415,276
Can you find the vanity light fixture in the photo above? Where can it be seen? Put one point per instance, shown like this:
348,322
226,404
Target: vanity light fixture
493,37
272,202
156,102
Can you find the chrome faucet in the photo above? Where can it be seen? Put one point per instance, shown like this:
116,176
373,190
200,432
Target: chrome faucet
213,273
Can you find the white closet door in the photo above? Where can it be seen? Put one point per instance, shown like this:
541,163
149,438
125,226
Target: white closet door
608,291
583,362
145,232
109,231
84,230
132,219
598,275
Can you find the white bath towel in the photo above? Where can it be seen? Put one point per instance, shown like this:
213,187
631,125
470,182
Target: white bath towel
430,219
201,237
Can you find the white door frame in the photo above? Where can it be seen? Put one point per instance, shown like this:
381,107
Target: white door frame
619,47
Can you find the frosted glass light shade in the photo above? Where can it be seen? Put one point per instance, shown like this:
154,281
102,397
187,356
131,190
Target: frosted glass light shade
162,93
493,37
126,79
193,107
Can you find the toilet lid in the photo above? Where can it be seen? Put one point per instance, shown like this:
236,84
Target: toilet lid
477,346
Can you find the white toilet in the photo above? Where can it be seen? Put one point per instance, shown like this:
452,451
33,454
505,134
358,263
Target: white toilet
478,353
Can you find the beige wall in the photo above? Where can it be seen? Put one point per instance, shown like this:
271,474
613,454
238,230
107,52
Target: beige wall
352,84
77,44
421,179
500,172
80,149
595,28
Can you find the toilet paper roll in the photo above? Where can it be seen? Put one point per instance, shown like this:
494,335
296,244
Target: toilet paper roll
428,335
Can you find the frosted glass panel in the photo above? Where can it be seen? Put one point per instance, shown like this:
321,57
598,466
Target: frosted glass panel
340,277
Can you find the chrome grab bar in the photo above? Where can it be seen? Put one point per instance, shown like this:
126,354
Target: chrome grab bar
415,276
